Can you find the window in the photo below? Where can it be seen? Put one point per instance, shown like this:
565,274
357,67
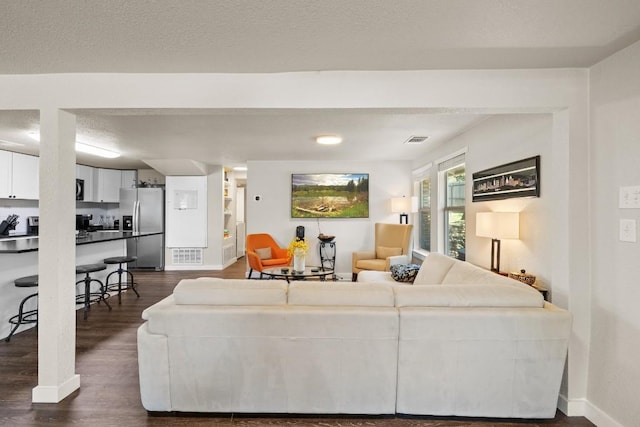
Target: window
453,174
425,214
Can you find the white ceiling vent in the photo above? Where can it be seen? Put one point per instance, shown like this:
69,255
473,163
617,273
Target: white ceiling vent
416,140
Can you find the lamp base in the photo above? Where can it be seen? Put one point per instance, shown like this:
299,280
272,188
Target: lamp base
495,255
406,218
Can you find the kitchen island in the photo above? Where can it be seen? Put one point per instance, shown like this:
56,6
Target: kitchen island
19,258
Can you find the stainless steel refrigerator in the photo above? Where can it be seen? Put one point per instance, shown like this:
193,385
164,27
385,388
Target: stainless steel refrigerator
142,210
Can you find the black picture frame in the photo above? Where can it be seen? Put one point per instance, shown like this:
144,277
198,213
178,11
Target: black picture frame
329,195
515,179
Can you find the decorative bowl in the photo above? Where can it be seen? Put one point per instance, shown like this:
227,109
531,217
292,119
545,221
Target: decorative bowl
523,276
325,238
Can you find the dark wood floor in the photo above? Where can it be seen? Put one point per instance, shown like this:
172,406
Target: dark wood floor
109,392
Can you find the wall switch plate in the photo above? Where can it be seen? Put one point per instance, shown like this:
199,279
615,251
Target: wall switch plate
630,197
628,230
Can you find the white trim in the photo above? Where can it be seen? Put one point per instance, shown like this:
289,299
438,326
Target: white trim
422,172
54,394
450,156
599,417
584,408
193,267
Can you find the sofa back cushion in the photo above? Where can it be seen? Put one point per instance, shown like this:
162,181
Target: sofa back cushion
341,294
468,295
212,291
434,268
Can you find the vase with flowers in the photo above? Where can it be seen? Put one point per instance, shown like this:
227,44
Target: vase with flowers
298,249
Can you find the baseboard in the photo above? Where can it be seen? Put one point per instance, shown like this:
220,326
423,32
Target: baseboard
573,407
54,394
584,408
599,417
192,267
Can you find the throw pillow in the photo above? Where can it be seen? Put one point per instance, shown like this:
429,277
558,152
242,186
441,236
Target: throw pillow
264,253
404,272
385,252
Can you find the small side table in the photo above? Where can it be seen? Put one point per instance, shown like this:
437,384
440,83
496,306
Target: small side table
544,291
328,256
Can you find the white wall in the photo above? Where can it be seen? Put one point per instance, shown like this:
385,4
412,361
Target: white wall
614,362
499,140
271,180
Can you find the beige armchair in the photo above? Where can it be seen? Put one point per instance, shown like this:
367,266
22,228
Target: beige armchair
392,246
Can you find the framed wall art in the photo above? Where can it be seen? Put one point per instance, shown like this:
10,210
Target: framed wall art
330,195
515,179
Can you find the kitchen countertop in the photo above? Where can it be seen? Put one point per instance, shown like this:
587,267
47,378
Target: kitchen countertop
20,244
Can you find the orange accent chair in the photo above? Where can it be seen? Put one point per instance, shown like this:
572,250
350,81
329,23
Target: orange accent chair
264,252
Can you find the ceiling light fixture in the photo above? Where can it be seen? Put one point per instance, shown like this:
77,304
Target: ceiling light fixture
96,151
81,147
329,139
240,168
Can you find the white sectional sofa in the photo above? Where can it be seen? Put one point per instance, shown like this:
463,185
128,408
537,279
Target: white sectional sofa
467,344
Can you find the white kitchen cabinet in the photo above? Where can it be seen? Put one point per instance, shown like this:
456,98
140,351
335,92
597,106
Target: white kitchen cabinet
86,174
5,174
19,178
107,187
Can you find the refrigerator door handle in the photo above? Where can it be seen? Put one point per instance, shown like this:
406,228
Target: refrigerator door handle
136,216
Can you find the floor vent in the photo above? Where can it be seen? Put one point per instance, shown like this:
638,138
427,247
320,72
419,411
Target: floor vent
416,140
186,256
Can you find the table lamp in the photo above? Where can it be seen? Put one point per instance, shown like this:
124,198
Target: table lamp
403,205
497,225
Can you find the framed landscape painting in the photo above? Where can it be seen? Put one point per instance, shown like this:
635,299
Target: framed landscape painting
516,179
330,195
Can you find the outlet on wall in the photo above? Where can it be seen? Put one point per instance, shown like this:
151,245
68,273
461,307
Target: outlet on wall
628,230
629,197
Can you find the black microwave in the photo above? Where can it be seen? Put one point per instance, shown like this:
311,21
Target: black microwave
79,189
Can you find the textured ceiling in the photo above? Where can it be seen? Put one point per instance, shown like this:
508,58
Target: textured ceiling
292,35
249,36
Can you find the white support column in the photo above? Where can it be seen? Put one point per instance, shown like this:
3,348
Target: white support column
56,259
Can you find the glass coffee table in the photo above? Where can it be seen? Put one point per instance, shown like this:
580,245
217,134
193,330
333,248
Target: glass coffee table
288,274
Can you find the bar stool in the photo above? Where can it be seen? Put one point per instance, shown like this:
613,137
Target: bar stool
119,285
89,296
29,316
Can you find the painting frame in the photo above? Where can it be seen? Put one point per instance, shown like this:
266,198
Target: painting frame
510,180
329,195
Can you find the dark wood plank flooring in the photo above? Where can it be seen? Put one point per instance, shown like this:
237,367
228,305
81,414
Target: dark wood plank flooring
109,392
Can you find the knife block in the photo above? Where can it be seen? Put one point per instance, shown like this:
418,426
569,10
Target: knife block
4,228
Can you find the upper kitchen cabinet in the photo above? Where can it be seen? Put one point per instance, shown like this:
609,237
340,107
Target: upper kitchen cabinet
85,173
107,185
19,176
129,178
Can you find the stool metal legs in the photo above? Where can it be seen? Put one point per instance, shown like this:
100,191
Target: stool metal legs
129,284
23,317
86,299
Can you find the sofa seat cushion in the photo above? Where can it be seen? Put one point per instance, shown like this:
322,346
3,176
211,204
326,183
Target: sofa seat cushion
369,276
213,291
341,294
468,295
372,264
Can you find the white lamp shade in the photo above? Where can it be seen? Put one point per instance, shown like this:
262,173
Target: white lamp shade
498,225
401,204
